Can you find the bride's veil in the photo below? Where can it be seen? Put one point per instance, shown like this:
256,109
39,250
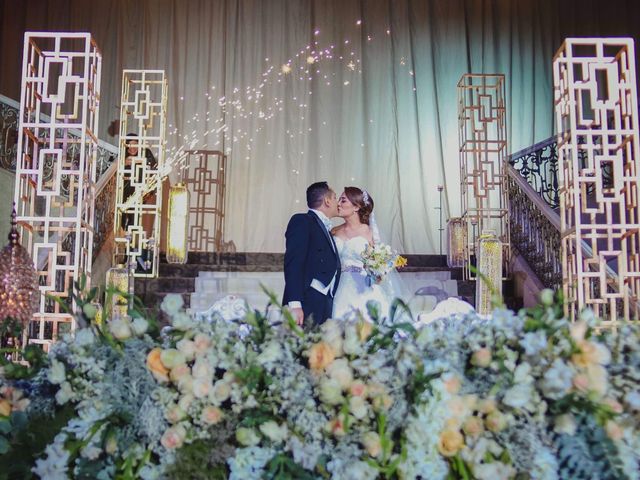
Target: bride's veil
393,285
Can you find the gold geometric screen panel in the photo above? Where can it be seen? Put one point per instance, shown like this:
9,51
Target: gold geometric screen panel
596,108
140,168
204,174
483,151
55,171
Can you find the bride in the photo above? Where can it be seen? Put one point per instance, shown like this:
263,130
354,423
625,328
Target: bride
355,207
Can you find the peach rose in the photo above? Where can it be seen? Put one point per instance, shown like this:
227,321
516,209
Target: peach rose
450,442
473,426
451,383
612,403
202,342
372,444
174,414
336,426
614,431
155,366
358,389
173,437
597,377
581,382
201,387
481,358
179,372
487,405
496,421
320,356
211,415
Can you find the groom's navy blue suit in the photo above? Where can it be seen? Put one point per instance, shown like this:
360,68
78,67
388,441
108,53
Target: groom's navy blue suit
310,255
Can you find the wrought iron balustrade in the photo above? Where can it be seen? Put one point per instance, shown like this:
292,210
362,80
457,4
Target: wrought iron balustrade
535,229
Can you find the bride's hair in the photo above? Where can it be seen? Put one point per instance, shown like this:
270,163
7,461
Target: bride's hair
362,200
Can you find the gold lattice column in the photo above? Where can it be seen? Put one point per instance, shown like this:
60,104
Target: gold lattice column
483,153
596,108
204,175
55,171
139,187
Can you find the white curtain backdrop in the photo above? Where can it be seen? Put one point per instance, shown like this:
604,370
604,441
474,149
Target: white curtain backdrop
376,109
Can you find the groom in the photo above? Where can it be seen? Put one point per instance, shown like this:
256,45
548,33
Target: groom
311,261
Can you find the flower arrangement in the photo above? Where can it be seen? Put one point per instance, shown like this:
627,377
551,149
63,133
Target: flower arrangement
504,397
378,260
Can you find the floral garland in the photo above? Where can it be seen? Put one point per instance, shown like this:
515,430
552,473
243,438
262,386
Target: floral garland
460,398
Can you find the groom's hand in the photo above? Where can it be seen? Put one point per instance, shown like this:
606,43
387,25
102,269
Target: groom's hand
298,315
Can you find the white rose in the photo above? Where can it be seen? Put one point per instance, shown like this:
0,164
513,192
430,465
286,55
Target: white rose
56,373
358,407
182,321
172,303
351,344
139,326
221,392
519,395
202,369
339,370
372,444
330,391
188,349
565,424
171,358
120,328
247,437
64,394
185,402
274,432
201,387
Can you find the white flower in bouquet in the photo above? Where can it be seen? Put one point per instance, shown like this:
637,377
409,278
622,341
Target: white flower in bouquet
249,462
340,371
174,413
139,326
494,471
64,394
182,321
565,423
202,368
372,444
378,260
271,353
332,335
247,437
201,342
358,407
221,392
172,303
351,344
120,328
56,373
187,348
172,357
54,465
201,387
534,343
274,432
331,391
557,380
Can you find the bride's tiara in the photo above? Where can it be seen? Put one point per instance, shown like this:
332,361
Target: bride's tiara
365,197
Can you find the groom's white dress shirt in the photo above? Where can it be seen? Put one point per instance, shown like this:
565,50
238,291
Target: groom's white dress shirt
315,283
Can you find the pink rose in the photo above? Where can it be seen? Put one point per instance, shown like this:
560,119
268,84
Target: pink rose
173,437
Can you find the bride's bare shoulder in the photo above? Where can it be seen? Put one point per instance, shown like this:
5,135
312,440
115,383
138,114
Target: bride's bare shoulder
336,230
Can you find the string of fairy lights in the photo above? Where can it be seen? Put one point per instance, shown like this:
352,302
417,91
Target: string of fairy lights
251,103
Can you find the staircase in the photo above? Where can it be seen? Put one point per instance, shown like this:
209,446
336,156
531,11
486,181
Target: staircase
207,277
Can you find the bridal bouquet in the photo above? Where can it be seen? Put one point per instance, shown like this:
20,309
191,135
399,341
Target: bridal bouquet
379,260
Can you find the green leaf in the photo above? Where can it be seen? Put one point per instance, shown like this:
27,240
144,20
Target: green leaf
4,445
5,425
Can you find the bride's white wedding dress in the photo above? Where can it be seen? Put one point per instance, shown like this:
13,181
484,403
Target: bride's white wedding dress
353,292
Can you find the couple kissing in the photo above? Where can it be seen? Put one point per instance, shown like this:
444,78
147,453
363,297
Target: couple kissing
323,268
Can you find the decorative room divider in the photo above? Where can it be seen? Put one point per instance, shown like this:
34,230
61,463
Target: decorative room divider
483,152
138,208
55,170
596,108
